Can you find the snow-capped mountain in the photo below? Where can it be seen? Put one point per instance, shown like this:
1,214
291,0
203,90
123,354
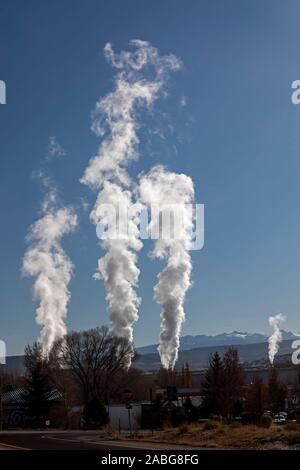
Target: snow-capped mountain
224,339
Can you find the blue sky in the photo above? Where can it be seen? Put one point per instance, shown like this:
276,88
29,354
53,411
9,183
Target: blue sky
238,137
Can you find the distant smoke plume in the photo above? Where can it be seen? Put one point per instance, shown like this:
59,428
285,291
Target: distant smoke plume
276,338
171,192
46,260
54,150
115,119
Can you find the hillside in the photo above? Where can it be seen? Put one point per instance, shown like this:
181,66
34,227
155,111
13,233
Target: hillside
223,339
198,358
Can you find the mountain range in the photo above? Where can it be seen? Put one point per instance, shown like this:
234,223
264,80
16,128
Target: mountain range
224,339
251,355
196,351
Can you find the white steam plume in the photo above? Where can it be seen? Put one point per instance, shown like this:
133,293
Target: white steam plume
46,260
275,339
115,120
170,192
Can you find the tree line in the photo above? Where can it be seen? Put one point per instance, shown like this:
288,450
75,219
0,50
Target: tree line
85,367
89,371
227,394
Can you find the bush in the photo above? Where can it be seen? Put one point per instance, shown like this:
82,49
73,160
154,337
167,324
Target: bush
94,414
292,427
183,429
212,424
293,438
236,425
266,421
216,418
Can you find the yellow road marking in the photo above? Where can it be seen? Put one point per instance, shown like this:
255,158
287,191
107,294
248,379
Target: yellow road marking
13,446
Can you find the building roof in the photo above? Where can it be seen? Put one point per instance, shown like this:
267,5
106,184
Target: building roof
17,396
181,391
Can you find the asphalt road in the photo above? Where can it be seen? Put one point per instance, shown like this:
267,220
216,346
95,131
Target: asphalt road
71,441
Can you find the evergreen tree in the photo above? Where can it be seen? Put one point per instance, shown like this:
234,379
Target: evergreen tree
213,385
277,392
37,385
256,397
95,414
233,383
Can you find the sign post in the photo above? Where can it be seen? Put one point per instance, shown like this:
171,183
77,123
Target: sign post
129,407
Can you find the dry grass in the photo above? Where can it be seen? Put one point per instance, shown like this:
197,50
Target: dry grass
223,436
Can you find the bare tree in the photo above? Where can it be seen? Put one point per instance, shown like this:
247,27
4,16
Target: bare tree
132,380
93,358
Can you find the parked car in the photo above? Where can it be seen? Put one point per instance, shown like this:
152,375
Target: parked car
279,418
